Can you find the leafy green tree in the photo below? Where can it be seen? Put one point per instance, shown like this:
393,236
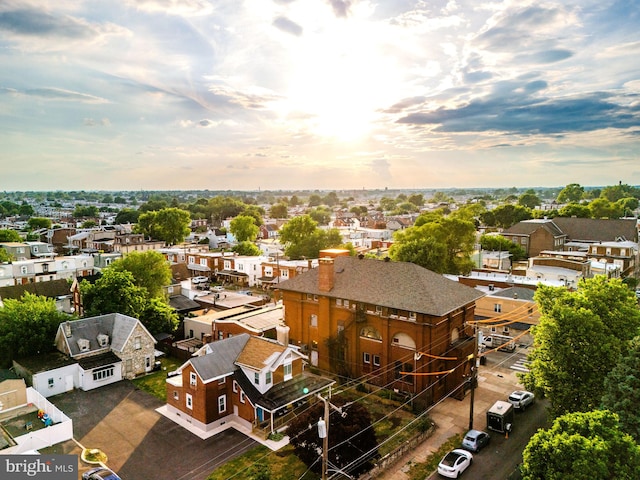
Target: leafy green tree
508,215
28,327
168,224
256,212
387,204
498,243
126,215
247,248
150,270
438,243
8,235
26,209
279,210
417,199
331,199
159,317
618,192
36,223
153,205
84,211
5,256
302,238
622,390
579,340
627,205
88,224
603,208
582,446
352,439
575,210
294,201
315,200
221,208
572,193
441,197
114,292
320,214
529,199
244,228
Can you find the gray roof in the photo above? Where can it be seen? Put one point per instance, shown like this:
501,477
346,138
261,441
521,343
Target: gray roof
527,227
598,230
221,359
401,285
116,325
520,293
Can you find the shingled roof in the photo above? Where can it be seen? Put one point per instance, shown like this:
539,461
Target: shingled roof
598,230
401,285
220,358
527,227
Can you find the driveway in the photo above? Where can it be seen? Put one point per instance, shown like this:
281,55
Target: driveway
121,420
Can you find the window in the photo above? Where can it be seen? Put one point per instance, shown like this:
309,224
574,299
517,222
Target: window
256,378
313,320
366,357
222,403
314,345
339,302
413,315
378,309
287,371
241,397
176,395
220,335
23,270
137,343
50,382
371,333
376,360
222,381
189,401
235,387
193,380
309,296
267,378
103,373
497,307
315,298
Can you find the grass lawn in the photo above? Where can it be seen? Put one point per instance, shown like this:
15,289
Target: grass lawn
155,382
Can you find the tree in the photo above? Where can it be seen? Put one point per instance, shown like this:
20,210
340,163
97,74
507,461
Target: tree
169,224
88,224
28,327
321,214
352,440
8,235
603,208
622,390
126,215
529,199
618,192
581,446
159,317
150,270
36,223
302,238
244,228
114,292
572,193
498,243
627,205
417,199
315,200
5,256
256,212
279,210
84,211
247,248
575,210
579,340
508,215
438,243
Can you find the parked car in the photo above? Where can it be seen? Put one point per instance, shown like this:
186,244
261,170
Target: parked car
198,280
100,473
521,399
454,463
474,440
218,288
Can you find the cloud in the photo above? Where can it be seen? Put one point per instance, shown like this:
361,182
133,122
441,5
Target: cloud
340,7
50,93
287,26
34,23
172,7
90,122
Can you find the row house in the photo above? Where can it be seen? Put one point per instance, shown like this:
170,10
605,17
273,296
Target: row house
624,255
17,250
45,269
394,323
134,242
275,271
243,380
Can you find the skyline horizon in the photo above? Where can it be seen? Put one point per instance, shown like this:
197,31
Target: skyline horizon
321,94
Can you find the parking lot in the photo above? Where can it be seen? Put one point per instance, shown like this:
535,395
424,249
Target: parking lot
139,443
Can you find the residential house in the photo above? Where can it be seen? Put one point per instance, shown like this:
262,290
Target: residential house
57,290
536,235
125,243
18,251
276,270
508,311
269,230
245,380
396,323
106,348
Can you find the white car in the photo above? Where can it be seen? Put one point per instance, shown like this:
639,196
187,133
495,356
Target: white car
521,399
454,463
198,280
218,288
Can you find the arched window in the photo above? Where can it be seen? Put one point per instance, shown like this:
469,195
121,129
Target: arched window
403,340
370,332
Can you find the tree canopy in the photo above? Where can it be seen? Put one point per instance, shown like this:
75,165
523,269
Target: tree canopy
572,193
8,235
28,327
247,248
582,446
244,228
498,243
168,224
352,439
579,340
150,270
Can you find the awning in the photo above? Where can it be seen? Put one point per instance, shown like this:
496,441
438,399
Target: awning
198,268
232,273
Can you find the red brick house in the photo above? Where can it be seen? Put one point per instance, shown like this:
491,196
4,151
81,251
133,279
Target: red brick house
397,323
246,380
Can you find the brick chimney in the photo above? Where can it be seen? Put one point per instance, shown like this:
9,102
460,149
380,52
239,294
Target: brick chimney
325,274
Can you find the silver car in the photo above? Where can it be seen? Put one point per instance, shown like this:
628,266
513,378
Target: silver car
521,399
474,440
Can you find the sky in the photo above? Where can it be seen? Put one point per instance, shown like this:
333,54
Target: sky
318,94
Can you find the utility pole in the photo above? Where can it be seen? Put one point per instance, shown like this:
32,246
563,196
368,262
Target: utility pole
474,373
323,433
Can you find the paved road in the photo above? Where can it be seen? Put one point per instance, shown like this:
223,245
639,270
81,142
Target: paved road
502,456
140,443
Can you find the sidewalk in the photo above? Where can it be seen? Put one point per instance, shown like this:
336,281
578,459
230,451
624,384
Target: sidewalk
495,382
